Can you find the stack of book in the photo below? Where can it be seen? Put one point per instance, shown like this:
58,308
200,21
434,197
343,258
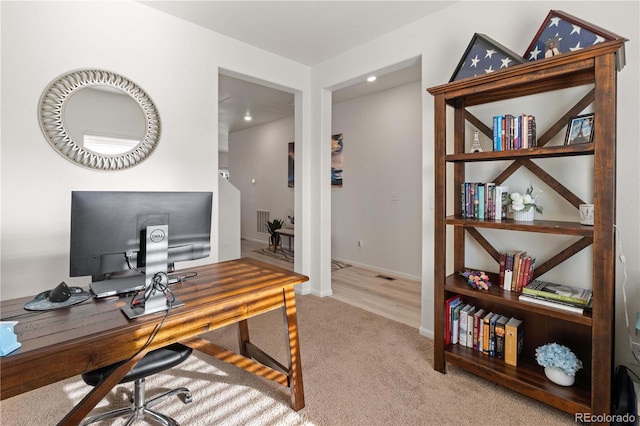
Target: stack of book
516,270
488,333
484,201
558,296
514,132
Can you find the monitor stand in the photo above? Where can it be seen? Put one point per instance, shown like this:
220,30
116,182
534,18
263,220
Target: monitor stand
156,259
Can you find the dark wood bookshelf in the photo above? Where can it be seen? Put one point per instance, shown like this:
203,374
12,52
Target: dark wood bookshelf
524,379
590,335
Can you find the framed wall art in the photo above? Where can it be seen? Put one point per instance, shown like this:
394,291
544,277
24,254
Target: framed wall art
561,33
484,55
580,130
336,160
291,156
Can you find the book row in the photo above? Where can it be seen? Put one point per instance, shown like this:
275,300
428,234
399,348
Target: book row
514,132
489,333
516,270
484,201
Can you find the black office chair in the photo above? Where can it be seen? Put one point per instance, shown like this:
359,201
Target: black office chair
152,363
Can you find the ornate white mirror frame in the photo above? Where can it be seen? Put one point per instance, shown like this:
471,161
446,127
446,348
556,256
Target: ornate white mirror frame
52,120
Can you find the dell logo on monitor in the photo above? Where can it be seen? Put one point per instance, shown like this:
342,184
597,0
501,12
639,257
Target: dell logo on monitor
157,235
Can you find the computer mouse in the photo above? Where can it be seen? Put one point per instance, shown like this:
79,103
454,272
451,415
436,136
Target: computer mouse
61,293
43,295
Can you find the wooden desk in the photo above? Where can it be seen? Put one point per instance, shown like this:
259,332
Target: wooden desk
288,232
67,342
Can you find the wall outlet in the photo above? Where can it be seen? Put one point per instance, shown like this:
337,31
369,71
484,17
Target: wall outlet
635,353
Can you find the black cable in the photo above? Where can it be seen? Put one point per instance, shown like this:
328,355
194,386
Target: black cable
179,279
156,283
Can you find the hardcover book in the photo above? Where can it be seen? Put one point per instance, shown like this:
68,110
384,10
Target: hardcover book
449,304
470,321
502,262
463,321
563,292
556,304
477,329
455,323
485,332
500,336
492,334
513,341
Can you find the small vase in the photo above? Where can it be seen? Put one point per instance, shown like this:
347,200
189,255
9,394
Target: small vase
524,216
558,376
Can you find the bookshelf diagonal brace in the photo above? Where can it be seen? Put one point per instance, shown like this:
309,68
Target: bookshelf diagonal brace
484,243
562,256
552,182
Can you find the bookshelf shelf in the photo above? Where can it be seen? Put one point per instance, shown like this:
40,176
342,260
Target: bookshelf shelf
589,335
542,152
544,226
506,300
526,378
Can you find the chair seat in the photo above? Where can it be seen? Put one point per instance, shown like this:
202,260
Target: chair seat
152,363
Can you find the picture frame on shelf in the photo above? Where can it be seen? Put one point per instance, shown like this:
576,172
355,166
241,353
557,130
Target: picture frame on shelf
562,33
484,55
580,129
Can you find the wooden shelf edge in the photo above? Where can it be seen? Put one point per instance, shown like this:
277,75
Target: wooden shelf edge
540,152
541,226
457,284
527,378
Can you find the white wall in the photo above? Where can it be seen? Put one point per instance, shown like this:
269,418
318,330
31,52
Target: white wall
175,62
380,200
260,154
229,218
440,40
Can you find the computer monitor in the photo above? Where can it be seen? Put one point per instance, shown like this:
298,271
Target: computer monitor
108,229
126,240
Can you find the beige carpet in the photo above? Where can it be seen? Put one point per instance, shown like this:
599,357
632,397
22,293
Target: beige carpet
358,369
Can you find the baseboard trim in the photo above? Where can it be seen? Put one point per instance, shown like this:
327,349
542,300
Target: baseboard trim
381,270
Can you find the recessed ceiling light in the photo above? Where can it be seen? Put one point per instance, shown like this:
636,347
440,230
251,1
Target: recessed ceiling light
247,117
371,79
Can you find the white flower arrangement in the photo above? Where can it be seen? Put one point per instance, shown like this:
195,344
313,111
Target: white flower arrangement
558,356
525,202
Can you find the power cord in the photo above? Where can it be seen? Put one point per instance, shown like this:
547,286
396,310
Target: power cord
159,283
181,278
127,257
156,284
623,260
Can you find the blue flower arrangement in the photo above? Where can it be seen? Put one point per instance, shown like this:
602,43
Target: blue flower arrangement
558,356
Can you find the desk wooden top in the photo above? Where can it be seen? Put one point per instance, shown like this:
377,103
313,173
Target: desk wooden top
67,342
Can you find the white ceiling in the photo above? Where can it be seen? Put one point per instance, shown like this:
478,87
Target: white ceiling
303,31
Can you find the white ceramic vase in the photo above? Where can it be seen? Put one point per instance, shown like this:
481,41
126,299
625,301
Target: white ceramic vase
559,377
524,216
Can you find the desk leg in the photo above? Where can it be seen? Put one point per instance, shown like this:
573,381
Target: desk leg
84,407
243,338
295,364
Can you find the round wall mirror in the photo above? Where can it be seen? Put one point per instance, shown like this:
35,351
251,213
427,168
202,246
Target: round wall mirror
99,120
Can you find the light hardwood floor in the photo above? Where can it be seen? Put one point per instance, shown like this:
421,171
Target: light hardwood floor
398,299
